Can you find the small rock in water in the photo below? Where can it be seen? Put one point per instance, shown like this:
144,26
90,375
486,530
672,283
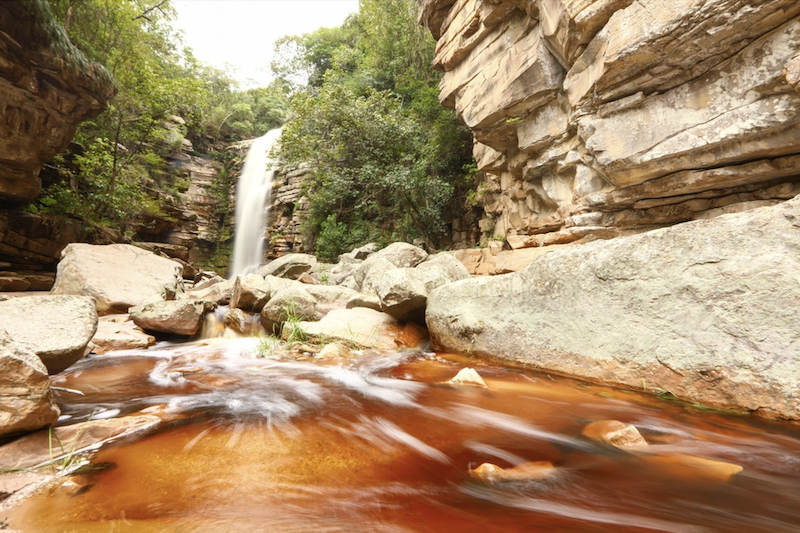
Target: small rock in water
691,466
468,377
615,433
490,473
334,351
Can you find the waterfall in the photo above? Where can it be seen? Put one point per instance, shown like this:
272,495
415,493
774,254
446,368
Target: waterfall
253,194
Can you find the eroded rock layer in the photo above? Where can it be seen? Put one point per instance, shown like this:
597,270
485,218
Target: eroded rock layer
47,87
599,118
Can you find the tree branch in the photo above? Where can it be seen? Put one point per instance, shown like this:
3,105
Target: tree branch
149,9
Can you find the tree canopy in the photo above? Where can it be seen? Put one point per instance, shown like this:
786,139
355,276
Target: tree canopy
389,162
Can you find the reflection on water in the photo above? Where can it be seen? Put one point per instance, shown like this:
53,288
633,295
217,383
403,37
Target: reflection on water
375,445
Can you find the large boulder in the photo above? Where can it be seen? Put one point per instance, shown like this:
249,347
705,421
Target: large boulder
401,292
56,328
289,304
26,401
289,266
399,254
178,317
118,332
118,276
355,327
219,292
250,293
707,310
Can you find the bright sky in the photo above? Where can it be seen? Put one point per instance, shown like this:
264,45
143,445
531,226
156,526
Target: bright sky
242,32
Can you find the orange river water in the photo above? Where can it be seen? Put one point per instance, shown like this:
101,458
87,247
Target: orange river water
378,444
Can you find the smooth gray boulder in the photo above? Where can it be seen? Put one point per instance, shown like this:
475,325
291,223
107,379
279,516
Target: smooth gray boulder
56,328
289,303
441,269
179,317
708,310
250,293
289,266
400,254
330,297
118,276
26,401
401,292
219,292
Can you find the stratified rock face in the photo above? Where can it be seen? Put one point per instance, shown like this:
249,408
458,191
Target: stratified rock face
47,87
56,328
599,118
117,276
26,402
707,310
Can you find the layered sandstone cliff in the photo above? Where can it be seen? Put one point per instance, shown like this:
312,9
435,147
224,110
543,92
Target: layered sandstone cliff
597,118
47,87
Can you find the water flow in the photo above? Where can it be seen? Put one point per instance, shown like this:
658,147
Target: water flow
253,194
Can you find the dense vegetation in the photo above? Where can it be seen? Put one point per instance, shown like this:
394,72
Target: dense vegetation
114,175
389,162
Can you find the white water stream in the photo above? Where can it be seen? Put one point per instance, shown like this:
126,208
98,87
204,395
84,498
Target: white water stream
253,195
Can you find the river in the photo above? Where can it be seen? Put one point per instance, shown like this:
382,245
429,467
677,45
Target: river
379,443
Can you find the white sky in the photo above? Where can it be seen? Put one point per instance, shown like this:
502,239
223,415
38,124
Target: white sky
242,32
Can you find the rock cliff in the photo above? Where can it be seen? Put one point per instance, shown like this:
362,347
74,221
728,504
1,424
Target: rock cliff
47,87
599,118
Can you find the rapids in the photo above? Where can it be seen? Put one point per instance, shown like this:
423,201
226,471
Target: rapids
379,444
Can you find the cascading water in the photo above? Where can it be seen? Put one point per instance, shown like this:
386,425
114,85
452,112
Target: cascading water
253,194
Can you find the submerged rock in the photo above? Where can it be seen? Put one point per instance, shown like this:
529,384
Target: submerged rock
181,317
490,473
117,276
43,448
26,401
695,467
615,433
56,328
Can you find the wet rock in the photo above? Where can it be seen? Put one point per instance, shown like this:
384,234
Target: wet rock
615,433
334,350
118,332
467,377
118,276
180,317
237,320
56,328
489,473
35,450
644,312
250,293
26,401
289,266
693,467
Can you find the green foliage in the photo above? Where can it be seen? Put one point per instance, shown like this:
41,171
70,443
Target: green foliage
389,162
165,95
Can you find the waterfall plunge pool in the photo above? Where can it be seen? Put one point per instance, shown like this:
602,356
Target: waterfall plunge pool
378,444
